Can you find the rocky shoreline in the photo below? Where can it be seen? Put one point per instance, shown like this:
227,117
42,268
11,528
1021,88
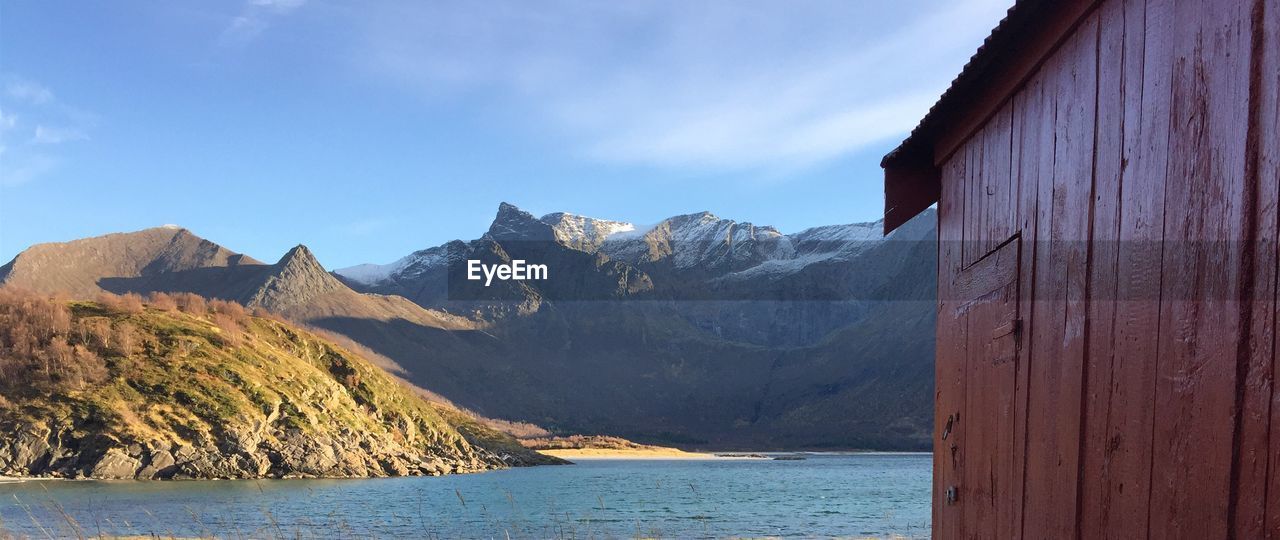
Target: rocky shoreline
39,451
121,390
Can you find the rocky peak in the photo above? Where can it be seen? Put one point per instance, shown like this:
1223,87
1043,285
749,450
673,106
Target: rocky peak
299,256
583,233
702,239
297,278
512,223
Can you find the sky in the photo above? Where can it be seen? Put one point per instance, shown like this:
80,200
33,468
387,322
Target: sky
370,129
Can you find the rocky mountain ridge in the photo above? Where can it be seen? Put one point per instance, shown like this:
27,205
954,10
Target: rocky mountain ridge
701,241
821,338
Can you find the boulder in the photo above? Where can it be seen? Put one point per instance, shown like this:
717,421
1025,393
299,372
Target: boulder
160,465
116,463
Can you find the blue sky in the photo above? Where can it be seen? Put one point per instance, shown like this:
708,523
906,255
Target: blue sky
367,130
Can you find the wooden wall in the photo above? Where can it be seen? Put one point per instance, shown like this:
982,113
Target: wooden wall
1107,286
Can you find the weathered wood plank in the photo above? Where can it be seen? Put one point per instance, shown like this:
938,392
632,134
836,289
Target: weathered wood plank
988,307
1023,171
1001,214
1258,459
975,202
1269,178
1103,267
1035,175
1056,378
1143,169
1200,322
950,356
977,486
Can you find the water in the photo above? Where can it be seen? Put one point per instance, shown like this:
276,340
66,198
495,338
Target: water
824,495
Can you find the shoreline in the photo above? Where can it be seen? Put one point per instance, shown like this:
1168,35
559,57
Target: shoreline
675,453
571,454
586,454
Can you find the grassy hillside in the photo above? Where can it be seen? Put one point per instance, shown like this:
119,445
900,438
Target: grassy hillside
185,388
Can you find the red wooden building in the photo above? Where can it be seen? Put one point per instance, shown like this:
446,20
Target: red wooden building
1107,177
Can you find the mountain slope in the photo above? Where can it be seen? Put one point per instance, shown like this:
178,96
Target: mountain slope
76,267
126,391
737,331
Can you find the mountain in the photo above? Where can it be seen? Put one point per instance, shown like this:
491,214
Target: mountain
121,390
77,267
689,257
701,241
695,331
726,334
584,233
435,278
172,259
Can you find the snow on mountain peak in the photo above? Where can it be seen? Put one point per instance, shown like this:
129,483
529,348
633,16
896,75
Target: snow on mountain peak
368,273
584,233
415,263
686,241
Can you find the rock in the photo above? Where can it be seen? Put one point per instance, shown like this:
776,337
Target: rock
160,465
394,466
244,441
29,452
115,464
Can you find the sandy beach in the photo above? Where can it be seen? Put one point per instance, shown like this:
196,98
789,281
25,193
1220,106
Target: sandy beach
572,454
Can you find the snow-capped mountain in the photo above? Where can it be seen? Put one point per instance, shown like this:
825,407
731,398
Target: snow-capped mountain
742,316
584,233
700,243
701,239
414,264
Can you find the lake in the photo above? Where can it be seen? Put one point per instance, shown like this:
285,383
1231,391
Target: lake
857,495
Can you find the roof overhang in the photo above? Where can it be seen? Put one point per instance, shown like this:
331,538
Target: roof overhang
1029,33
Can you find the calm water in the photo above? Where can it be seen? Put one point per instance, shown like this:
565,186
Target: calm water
824,495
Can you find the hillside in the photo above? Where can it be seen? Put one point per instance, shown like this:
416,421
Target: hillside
696,331
181,388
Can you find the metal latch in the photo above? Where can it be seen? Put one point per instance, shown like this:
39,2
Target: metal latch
1012,327
952,495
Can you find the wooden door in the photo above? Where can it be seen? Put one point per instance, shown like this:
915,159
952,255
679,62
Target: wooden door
974,448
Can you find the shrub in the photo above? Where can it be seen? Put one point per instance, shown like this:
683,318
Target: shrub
124,338
191,303
162,302
232,333
42,347
128,303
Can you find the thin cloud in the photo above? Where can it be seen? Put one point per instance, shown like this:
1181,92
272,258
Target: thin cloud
28,92
58,135
719,85
26,168
255,18
30,138
7,121
278,5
